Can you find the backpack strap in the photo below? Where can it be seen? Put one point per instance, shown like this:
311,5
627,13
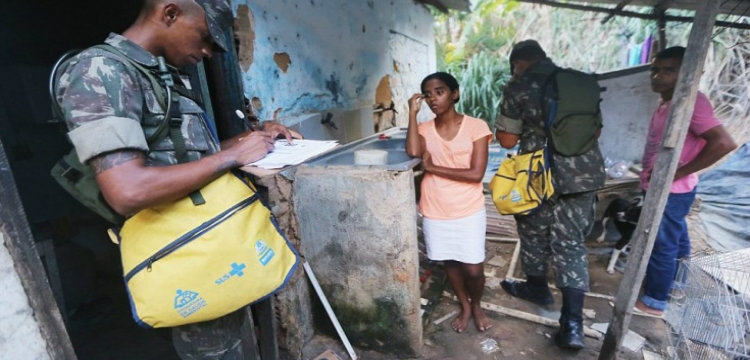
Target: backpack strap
172,112
549,112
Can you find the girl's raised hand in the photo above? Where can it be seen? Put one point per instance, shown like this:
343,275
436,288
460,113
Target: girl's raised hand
415,103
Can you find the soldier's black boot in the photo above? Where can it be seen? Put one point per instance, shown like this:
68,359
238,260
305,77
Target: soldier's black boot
534,289
570,335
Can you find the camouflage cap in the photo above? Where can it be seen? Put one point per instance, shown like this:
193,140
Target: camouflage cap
219,17
525,46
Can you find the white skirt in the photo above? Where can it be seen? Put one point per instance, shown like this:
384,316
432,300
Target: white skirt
457,239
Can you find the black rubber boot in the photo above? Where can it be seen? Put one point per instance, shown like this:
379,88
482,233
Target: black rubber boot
570,335
535,289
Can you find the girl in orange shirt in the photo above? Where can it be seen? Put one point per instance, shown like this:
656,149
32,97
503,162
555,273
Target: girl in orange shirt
453,148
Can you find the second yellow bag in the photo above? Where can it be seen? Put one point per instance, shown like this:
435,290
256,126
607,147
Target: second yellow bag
522,183
186,263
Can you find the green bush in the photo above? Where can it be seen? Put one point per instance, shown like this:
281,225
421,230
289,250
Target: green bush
481,79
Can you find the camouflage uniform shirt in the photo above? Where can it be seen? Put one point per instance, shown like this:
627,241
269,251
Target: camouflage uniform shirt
109,105
521,113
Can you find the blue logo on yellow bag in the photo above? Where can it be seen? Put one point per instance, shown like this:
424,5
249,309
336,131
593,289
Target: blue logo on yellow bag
515,196
237,270
265,253
188,302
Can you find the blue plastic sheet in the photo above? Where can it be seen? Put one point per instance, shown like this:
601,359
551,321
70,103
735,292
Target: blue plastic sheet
725,202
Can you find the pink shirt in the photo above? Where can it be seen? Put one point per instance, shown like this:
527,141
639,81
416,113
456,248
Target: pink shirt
442,198
703,120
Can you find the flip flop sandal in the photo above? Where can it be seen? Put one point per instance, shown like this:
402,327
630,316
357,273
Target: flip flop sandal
637,311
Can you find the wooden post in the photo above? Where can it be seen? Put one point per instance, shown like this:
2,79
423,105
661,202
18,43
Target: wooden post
678,122
662,28
269,346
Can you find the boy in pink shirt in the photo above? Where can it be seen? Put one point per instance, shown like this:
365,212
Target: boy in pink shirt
707,141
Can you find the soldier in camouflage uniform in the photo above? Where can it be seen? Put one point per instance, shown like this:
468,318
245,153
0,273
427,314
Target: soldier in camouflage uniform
110,109
558,227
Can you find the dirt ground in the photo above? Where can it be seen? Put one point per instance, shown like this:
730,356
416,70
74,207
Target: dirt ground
522,339
512,337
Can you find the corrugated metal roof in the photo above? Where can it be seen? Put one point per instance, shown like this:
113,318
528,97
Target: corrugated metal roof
729,7
624,8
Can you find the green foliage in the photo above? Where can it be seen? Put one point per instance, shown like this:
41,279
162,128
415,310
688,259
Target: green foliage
468,46
481,79
460,35
474,46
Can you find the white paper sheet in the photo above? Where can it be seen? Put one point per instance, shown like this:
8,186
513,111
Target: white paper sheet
299,150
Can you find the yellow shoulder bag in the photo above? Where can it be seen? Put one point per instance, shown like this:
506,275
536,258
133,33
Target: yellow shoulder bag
522,183
186,263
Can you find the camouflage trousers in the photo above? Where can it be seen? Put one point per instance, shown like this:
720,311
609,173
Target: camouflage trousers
556,233
218,339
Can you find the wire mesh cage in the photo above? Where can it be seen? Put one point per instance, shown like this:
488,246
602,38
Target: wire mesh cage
709,307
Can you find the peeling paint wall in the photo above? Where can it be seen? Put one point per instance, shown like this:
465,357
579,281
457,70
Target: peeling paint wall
304,56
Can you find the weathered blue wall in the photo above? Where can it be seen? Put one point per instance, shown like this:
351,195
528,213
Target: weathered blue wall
302,57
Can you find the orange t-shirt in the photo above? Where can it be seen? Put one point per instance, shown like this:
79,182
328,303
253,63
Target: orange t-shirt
443,198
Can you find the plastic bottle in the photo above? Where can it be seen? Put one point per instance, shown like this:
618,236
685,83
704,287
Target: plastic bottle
618,169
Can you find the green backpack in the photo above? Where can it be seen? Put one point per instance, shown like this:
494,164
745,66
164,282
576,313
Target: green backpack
78,179
574,118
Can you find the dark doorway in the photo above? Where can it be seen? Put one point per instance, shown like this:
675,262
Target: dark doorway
82,264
